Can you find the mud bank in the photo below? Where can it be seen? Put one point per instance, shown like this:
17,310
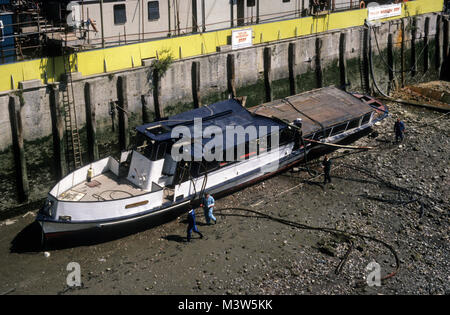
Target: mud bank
398,193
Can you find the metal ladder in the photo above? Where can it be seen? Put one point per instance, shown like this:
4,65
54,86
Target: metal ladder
74,159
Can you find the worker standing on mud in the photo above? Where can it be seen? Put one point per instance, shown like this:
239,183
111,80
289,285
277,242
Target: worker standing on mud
208,207
399,128
326,169
192,226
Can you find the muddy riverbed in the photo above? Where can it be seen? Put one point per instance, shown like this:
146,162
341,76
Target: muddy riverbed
396,193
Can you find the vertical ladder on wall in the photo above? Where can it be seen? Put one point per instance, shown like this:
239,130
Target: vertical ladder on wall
73,144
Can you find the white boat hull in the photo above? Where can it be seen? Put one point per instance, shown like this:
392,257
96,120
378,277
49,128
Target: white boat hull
77,216
57,228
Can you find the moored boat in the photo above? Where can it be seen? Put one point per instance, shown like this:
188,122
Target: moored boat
217,148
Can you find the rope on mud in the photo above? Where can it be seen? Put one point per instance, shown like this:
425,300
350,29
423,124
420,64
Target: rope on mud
258,214
434,120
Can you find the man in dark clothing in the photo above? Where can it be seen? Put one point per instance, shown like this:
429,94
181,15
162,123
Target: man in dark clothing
326,169
399,128
192,226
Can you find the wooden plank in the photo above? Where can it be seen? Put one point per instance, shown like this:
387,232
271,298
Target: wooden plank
445,107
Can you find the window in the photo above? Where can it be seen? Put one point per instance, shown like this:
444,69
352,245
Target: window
338,129
162,148
120,14
322,134
201,168
284,1
153,10
366,119
353,124
250,3
1,32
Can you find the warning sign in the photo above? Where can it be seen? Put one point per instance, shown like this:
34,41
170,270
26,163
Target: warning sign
384,11
242,38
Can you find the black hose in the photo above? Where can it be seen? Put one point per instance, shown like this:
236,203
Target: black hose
305,157
371,65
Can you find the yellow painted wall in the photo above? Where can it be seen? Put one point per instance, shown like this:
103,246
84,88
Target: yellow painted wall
125,57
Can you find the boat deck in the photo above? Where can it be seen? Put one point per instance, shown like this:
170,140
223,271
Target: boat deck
330,106
103,187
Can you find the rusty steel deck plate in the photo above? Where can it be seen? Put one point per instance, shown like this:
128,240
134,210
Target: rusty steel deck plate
329,106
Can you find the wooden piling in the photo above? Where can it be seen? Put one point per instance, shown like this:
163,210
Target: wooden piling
413,47
445,73
23,188
91,125
402,55
446,48
319,72
231,76
365,62
59,147
195,76
156,94
292,75
124,135
343,61
426,48
268,74
390,57
438,41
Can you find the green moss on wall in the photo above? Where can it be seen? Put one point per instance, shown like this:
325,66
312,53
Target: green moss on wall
280,88
255,93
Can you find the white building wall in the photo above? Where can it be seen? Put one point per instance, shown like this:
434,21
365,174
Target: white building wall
176,16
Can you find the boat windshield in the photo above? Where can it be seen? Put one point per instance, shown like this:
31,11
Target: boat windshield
151,149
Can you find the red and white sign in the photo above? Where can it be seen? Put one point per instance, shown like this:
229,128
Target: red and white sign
242,38
384,11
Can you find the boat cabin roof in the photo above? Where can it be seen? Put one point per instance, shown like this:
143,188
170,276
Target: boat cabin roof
325,107
228,113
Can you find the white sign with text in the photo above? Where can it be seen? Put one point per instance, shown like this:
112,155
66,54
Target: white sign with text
384,11
242,38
